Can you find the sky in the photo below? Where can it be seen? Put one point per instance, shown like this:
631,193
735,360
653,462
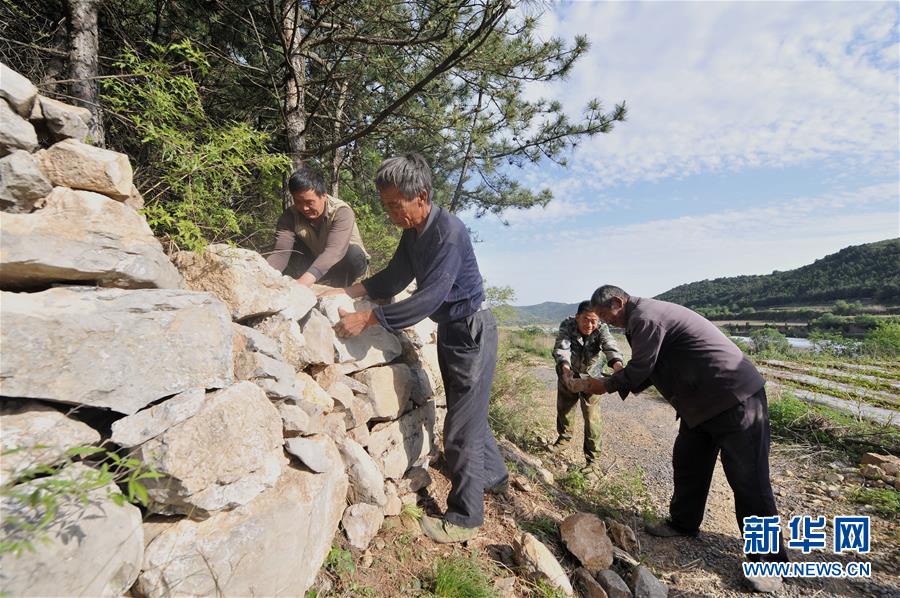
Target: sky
761,136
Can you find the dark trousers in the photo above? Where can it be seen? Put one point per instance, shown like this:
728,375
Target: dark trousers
343,274
467,355
590,408
741,434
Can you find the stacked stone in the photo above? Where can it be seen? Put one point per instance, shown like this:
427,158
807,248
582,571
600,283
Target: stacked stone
213,369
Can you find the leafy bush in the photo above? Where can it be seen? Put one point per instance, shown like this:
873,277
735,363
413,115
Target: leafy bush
769,341
204,181
884,341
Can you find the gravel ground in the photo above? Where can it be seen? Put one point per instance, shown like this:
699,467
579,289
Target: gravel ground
641,431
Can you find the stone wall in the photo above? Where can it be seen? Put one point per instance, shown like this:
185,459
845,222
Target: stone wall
213,369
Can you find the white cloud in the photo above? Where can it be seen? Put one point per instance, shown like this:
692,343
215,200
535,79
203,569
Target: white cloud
648,258
728,86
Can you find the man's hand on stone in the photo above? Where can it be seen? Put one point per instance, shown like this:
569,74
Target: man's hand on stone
352,324
595,386
616,366
567,377
307,279
332,292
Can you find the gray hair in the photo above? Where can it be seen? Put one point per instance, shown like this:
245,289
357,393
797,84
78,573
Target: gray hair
604,295
409,173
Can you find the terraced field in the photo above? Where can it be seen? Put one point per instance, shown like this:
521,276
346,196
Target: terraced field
869,390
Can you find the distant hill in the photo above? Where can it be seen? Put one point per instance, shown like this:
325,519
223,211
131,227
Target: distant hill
869,272
548,312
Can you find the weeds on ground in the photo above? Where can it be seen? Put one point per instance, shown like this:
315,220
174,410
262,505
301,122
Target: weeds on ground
542,589
533,341
886,501
542,527
611,493
412,511
460,576
793,420
340,562
513,395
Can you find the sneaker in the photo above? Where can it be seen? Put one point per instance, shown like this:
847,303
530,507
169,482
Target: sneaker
765,585
500,487
443,532
667,530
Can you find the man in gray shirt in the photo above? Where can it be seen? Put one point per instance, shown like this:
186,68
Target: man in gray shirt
583,344
316,239
719,396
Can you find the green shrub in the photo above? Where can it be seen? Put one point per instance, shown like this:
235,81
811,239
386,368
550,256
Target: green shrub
769,341
886,501
458,576
884,341
203,181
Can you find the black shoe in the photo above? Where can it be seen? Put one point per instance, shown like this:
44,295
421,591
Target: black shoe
667,530
500,487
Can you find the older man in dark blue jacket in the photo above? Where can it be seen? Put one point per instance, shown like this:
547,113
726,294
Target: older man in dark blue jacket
436,251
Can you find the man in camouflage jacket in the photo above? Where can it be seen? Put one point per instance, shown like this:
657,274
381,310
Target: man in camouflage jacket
580,344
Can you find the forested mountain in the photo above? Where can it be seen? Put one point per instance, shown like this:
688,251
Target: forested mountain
548,312
859,272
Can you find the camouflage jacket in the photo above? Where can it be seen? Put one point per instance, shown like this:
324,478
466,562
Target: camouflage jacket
581,353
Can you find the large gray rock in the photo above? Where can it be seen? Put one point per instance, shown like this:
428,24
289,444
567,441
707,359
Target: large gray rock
244,281
584,534
332,374
361,523
275,377
22,184
397,445
17,90
366,481
357,412
539,564
149,423
422,333
614,585
93,547
296,421
272,546
389,389
37,434
220,458
250,339
81,236
103,339
16,133
314,452
77,165
65,121
645,585
311,394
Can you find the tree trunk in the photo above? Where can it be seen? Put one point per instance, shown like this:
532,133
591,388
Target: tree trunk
340,153
455,202
83,62
294,105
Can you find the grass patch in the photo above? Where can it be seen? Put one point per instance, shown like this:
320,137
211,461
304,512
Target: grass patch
458,576
612,493
340,562
532,341
412,511
795,421
543,528
513,396
886,501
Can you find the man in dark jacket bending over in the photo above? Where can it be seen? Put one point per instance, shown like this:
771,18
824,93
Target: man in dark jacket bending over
717,393
436,251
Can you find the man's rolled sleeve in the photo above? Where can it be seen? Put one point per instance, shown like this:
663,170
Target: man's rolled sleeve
646,340
562,350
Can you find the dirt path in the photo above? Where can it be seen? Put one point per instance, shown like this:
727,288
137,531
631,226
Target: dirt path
640,432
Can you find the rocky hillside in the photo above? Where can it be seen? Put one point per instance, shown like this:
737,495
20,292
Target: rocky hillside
185,424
